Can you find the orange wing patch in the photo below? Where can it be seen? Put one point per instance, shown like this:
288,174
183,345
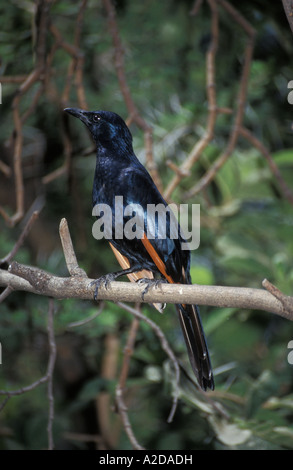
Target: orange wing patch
133,277
157,260
155,257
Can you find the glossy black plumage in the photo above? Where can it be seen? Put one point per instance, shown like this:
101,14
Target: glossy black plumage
119,173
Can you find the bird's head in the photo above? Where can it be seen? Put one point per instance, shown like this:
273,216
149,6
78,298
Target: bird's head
108,129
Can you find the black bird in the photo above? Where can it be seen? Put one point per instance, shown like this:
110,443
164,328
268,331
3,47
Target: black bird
119,173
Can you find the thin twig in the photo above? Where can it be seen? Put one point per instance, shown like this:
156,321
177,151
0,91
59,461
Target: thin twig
48,377
241,99
88,319
108,424
126,93
7,291
6,170
196,7
21,238
124,416
75,70
41,22
287,193
198,148
22,390
128,351
286,301
68,250
4,403
13,79
165,346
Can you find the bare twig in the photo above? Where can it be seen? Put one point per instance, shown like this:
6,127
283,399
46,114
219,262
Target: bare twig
42,19
239,113
196,7
82,437
76,65
198,148
21,239
109,426
28,388
88,319
48,377
128,351
5,169
41,75
68,250
165,347
285,300
126,93
7,291
4,403
287,193
124,416
120,388
75,70
13,79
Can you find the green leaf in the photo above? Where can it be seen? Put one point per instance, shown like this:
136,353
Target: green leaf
260,391
201,275
217,317
283,157
229,433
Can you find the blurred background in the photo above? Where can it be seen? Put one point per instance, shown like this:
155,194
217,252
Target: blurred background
246,217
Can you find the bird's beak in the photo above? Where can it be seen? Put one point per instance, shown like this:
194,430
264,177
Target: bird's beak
79,113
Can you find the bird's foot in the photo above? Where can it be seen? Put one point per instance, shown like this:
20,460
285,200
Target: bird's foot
103,280
150,283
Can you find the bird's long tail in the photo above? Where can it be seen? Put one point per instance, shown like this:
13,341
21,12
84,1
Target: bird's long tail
196,344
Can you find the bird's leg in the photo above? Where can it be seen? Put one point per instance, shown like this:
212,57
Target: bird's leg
108,278
151,283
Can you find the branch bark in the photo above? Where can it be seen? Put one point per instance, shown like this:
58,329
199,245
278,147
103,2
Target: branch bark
34,280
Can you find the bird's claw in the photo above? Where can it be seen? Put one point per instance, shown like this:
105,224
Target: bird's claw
103,280
150,283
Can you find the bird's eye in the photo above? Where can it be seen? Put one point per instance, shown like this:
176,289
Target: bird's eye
96,118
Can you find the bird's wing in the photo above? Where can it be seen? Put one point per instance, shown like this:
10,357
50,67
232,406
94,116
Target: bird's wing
163,247
136,276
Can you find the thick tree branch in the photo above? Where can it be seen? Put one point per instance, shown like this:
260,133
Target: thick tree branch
288,7
37,281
